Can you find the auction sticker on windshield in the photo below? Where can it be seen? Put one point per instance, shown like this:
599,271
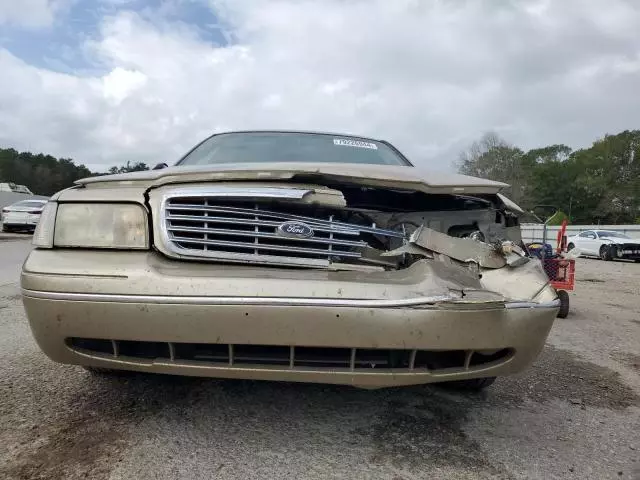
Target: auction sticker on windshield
354,143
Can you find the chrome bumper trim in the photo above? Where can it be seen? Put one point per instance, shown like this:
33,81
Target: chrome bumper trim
514,305
434,302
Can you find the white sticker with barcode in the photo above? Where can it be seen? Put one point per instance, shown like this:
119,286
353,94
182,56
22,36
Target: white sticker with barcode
354,143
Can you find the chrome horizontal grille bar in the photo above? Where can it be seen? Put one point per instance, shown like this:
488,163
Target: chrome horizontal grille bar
220,231
260,223
277,248
333,225
239,231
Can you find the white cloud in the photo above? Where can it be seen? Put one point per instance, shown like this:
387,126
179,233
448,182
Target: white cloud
429,76
120,84
29,13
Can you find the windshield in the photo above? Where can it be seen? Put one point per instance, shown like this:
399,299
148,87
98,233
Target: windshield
262,147
608,233
29,203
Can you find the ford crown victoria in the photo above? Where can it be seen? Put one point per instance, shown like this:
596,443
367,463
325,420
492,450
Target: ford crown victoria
289,256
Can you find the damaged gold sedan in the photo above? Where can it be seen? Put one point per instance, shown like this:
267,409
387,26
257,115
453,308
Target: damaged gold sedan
289,256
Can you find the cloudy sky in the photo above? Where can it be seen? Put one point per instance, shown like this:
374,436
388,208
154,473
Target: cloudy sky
106,81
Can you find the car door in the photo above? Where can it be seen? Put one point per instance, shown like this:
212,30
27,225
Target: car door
581,241
591,245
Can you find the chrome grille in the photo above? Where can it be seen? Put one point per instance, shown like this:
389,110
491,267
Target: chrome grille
216,228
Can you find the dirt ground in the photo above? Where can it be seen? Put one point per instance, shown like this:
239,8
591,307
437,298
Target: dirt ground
575,414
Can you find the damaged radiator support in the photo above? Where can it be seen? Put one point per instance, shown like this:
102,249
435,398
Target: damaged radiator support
425,240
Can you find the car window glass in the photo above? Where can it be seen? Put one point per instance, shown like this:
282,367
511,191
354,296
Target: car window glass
28,203
252,147
611,234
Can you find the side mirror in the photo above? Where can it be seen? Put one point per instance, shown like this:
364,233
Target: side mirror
160,166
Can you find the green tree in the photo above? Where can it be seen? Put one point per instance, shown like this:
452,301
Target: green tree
129,167
605,180
551,175
599,184
493,158
42,174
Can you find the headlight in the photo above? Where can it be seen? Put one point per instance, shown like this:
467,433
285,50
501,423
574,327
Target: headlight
101,225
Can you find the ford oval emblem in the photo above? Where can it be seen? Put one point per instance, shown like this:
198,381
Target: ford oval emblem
295,230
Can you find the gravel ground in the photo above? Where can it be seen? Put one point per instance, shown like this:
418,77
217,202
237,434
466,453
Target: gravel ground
574,414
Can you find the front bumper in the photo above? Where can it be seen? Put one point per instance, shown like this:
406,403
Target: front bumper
631,252
70,295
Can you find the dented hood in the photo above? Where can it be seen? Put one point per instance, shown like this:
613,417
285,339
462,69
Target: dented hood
400,177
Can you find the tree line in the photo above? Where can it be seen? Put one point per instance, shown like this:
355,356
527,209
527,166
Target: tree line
595,185
45,174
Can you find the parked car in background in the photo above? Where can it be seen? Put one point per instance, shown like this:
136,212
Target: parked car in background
606,244
12,187
293,256
22,215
